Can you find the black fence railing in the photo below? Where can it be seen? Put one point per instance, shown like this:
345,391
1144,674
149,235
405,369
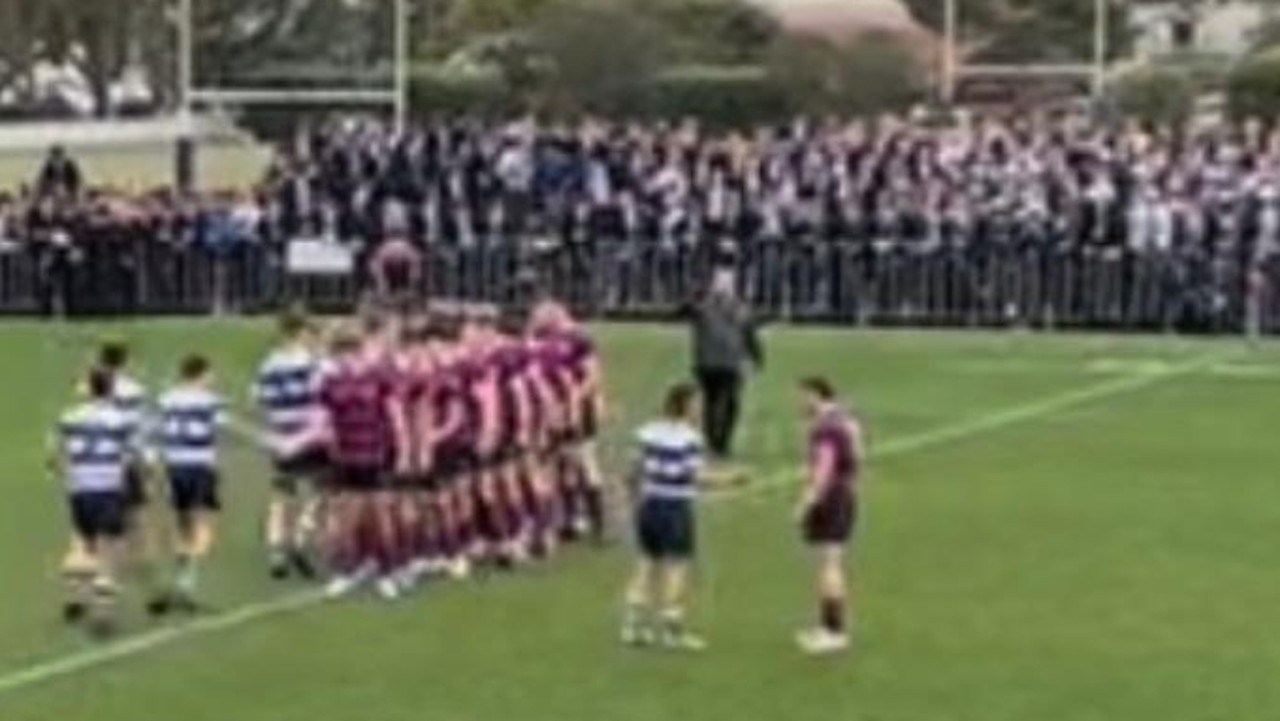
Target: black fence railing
844,283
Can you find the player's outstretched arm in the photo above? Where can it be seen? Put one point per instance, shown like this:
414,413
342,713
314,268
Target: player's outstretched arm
716,477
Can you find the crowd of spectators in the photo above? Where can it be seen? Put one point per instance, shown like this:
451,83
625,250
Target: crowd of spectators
1064,183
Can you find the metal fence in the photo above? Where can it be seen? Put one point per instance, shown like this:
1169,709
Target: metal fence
834,282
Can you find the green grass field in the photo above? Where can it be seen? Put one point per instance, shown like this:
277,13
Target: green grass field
1055,528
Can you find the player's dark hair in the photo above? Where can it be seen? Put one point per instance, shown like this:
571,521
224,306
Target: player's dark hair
417,331
372,322
100,384
193,367
294,322
344,342
819,387
113,355
511,325
679,400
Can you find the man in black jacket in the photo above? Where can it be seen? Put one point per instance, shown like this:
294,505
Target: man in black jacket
60,175
724,340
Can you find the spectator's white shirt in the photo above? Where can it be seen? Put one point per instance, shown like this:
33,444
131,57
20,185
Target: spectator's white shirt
515,169
245,217
599,187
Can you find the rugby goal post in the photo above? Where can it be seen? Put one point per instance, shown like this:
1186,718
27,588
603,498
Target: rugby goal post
1095,69
192,96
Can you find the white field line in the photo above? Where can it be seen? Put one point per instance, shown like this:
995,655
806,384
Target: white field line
148,641
994,421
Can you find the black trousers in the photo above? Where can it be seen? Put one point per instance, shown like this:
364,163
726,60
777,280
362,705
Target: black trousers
721,389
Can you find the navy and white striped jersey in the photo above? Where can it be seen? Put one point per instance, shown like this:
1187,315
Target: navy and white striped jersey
93,442
188,429
287,390
130,399
670,460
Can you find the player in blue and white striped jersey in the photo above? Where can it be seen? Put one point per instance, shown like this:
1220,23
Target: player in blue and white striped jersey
666,479
131,399
190,414
286,391
90,452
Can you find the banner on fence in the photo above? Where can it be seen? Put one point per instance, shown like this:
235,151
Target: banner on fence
307,256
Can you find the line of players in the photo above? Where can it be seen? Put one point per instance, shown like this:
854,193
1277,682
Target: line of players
445,438
405,446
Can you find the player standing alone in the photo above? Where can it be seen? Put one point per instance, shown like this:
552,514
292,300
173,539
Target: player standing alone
667,471
828,509
90,452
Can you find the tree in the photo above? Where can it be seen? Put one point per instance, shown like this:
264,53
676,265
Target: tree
1028,31
602,56
1253,90
256,39
464,20
870,74
715,31
1157,95
18,22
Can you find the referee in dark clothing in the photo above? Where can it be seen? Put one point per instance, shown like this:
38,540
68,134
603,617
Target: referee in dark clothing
724,340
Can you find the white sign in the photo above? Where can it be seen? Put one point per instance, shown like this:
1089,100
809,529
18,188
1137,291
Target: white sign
319,257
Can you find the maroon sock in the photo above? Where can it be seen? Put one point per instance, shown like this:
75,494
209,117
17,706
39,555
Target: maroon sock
401,541
447,538
512,510
831,611
423,530
385,533
343,551
366,545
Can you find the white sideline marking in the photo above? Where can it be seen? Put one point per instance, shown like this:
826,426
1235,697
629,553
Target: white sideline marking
997,420
249,613
150,640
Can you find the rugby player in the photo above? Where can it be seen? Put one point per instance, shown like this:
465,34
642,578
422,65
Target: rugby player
583,401
421,526
452,418
547,385
285,390
517,429
190,414
666,479
363,417
130,398
827,510
90,452
496,517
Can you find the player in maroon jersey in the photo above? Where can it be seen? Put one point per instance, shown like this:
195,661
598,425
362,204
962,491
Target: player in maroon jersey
496,525
453,463
534,467
549,386
518,418
358,398
420,530
580,384
827,511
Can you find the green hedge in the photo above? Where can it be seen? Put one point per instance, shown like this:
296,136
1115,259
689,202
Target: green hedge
1157,95
1253,89
433,93
733,96
721,96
